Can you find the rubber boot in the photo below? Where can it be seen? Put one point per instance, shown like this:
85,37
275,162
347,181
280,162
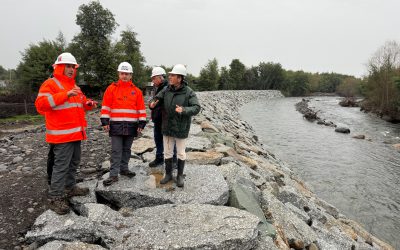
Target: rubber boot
179,177
158,161
168,171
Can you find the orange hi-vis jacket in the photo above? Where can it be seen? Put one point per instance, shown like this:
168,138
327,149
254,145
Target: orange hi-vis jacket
65,116
123,102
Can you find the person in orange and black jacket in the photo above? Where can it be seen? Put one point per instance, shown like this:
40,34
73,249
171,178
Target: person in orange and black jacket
123,115
63,104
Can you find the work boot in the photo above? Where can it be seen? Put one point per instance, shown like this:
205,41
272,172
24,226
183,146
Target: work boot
127,173
179,177
110,180
76,191
168,171
59,205
158,161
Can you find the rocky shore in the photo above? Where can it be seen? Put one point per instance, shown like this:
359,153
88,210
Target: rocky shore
237,194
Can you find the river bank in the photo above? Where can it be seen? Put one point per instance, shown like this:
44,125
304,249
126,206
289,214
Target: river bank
224,155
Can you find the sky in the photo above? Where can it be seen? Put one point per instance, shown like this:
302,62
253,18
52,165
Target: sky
311,35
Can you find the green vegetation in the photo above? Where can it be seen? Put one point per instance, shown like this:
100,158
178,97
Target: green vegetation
382,86
31,119
99,56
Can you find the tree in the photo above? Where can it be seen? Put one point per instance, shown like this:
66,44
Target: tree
296,83
36,64
236,74
271,75
209,76
92,46
128,49
251,78
3,73
350,87
224,80
384,70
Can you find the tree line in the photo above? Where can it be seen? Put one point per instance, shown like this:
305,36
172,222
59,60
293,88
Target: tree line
99,56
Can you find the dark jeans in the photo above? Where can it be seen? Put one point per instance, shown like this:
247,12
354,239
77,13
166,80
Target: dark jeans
158,139
67,157
121,153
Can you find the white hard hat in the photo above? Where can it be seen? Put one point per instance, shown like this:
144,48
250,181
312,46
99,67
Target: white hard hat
157,71
179,69
66,58
125,67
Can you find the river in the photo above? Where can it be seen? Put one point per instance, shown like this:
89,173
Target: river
359,177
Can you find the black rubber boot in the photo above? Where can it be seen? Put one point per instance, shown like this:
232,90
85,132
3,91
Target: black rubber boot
158,161
174,163
179,177
168,171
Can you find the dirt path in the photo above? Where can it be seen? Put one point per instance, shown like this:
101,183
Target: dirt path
23,184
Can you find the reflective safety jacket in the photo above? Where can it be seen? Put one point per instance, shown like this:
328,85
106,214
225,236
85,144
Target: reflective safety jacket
123,109
65,116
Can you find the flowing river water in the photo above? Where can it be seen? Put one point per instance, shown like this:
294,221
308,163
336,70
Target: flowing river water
359,177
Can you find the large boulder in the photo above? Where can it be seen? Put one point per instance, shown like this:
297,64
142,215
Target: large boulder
204,158
143,145
243,197
203,184
193,226
196,143
70,227
170,226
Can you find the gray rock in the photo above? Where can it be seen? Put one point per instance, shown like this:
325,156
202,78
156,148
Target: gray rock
204,158
17,159
342,130
194,129
300,213
30,210
105,165
193,226
70,227
233,171
142,145
196,143
88,170
243,198
332,239
290,194
148,157
3,151
328,207
78,201
3,168
203,184
292,226
63,245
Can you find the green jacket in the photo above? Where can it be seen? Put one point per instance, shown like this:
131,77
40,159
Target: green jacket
175,124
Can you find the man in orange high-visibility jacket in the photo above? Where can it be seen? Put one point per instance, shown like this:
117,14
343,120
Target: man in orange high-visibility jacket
63,104
123,115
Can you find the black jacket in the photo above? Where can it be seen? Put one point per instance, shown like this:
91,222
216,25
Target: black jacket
156,113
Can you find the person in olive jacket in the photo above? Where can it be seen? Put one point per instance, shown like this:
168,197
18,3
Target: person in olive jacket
179,104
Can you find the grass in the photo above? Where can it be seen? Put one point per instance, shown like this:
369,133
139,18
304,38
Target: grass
27,119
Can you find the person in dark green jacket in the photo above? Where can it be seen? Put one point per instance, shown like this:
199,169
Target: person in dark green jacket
179,103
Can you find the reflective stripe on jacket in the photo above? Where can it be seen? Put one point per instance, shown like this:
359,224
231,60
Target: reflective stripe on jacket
65,116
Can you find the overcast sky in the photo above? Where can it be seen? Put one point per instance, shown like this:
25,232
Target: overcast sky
310,35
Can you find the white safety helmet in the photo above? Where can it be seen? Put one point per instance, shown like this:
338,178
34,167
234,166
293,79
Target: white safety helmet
157,71
179,69
125,67
66,58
